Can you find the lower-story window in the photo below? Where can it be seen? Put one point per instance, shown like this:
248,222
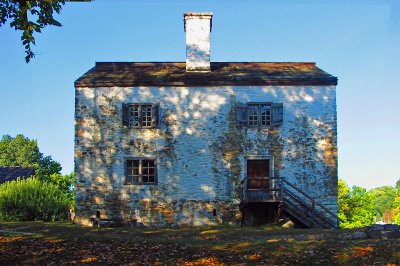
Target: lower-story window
140,171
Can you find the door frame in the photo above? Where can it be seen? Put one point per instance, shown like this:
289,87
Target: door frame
261,157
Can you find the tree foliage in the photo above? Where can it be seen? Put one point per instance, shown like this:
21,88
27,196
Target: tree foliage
384,197
19,151
396,204
32,199
64,183
29,17
343,200
387,199
356,206
22,151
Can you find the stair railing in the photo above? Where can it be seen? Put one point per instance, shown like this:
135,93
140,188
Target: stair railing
300,202
316,209
263,192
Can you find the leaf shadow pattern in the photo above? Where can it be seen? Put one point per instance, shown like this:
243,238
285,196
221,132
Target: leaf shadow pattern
60,243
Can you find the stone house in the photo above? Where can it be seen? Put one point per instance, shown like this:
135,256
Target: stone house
11,173
200,142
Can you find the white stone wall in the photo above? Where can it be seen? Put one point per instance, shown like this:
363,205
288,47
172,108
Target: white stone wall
200,150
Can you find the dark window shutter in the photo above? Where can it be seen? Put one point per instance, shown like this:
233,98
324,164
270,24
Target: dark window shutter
241,113
276,114
125,166
155,115
125,115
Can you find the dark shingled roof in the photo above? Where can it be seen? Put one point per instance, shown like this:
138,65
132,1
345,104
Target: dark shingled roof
9,173
124,74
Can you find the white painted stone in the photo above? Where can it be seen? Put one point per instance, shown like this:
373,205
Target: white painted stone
198,28
193,143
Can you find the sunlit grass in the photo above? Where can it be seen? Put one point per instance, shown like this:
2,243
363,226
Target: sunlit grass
66,243
241,245
254,257
203,261
90,259
210,232
9,239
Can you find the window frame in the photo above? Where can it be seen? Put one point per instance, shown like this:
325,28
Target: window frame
246,117
140,171
259,114
152,119
131,118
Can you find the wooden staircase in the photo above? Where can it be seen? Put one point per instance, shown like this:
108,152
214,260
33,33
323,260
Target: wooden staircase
296,203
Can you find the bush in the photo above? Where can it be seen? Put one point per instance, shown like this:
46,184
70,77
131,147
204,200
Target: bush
32,199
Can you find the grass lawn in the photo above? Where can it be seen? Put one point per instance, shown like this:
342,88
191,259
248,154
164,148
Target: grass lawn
65,243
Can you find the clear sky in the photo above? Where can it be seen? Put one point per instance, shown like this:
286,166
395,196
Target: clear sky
357,41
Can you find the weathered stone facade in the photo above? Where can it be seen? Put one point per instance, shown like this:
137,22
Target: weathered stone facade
200,150
195,133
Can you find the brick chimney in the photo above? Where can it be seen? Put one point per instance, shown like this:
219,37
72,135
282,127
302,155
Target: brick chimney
198,29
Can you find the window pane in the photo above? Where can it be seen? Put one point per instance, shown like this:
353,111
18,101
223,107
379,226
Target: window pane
265,111
135,171
253,115
134,116
148,163
132,163
146,174
148,171
146,116
132,171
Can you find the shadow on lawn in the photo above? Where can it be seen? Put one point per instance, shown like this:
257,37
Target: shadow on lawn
63,243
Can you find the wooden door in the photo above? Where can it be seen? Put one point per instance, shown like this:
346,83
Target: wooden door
258,174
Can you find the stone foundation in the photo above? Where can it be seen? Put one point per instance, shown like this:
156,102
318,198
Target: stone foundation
163,214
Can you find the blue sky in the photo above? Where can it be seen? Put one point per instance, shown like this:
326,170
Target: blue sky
357,41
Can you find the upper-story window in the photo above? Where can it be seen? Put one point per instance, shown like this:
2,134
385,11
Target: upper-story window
262,114
140,115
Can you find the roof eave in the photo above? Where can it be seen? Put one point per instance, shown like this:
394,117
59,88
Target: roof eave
332,81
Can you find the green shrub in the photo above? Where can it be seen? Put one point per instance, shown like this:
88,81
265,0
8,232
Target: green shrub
32,199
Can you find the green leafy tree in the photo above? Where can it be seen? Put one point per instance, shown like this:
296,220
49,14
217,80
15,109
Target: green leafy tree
29,17
48,167
396,204
343,200
22,151
397,220
384,198
64,183
388,216
356,206
19,151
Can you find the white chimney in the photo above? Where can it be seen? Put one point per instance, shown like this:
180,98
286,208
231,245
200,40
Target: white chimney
198,29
